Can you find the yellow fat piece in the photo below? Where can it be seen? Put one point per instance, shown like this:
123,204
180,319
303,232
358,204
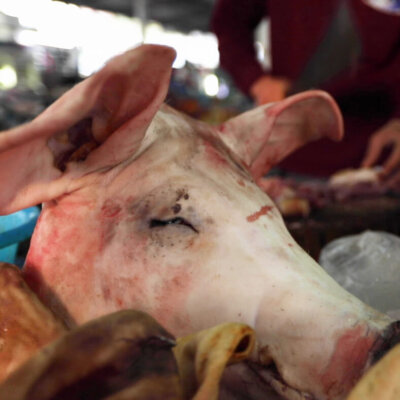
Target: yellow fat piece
203,357
382,381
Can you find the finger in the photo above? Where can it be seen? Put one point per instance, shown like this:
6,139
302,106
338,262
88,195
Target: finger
372,154
393,161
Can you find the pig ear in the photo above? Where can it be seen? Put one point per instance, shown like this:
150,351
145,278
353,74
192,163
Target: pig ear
264,136
95,125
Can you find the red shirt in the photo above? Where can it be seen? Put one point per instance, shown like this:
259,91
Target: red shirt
368,94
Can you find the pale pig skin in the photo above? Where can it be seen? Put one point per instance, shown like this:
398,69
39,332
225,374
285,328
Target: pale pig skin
162,213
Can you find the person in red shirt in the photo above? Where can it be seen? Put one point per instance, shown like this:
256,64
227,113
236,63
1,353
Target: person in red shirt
346,47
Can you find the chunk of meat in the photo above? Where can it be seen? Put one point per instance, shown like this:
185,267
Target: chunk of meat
26,325
126,355
203,357
349,177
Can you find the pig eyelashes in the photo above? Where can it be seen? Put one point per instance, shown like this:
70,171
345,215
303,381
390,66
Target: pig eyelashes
154,223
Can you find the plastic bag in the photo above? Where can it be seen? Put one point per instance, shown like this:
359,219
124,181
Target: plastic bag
368,266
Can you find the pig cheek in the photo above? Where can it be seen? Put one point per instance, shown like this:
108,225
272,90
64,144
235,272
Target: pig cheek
121,274
171,297
145,278
110,217
171,271
62,256
124,270
180,271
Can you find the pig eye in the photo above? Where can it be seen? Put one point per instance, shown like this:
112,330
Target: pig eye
173,221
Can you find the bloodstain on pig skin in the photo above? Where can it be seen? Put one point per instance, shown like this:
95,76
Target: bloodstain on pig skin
263,211
347,362
110,215
110,209
119,302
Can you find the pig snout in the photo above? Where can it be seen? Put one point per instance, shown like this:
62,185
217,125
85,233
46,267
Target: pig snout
322,348
355,350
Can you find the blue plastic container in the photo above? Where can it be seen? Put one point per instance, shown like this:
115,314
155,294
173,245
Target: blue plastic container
15,228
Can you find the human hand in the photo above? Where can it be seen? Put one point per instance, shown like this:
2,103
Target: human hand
388,135
269,89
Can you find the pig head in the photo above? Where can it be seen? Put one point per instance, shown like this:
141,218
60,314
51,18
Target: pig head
146,208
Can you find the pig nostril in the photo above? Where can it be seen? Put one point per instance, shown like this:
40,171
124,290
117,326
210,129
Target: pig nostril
390,337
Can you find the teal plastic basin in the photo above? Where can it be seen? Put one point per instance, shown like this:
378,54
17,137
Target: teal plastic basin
15,228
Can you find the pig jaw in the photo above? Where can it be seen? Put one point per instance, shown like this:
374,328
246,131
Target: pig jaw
345,367
353,355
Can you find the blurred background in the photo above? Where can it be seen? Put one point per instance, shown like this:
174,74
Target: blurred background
47,46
